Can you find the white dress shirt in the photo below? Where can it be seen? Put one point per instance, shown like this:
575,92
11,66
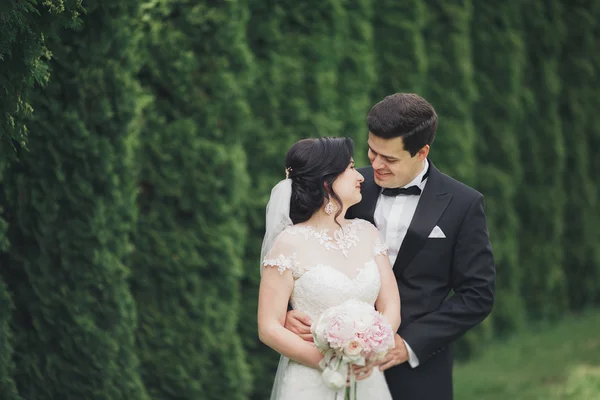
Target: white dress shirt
393,215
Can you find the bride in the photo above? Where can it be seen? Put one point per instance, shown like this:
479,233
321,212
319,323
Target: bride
313,258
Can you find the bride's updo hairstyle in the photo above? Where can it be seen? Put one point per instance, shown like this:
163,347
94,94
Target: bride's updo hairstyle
313,165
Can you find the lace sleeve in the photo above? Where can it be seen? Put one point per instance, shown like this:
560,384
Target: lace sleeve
283,255
282,262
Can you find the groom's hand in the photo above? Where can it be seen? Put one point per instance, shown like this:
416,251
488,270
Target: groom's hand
299,323
396,356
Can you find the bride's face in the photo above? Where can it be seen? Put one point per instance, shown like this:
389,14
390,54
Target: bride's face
347,186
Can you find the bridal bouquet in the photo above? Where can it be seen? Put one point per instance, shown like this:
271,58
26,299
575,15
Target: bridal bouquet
352,333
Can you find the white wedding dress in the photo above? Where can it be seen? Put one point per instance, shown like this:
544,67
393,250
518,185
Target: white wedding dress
328,269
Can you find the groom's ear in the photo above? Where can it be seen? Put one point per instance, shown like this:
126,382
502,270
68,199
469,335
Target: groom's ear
423,152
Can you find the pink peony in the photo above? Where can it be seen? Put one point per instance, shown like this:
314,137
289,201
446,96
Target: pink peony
348,334
339,333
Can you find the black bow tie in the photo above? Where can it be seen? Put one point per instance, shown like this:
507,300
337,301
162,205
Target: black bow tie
409,191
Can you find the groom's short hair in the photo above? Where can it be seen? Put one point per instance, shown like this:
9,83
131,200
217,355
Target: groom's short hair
405,115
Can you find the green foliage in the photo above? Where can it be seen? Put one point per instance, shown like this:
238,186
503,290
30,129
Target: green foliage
25,26
8,389
70,205
593,139
23,63
450,86
542,195
321,55
401,54
189,241
499,63
356,73
578,104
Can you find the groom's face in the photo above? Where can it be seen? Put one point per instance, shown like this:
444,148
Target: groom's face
392,165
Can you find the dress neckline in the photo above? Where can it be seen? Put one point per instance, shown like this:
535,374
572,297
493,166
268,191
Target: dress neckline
342,239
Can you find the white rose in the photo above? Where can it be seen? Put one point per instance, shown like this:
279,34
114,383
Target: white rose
353,348
334,379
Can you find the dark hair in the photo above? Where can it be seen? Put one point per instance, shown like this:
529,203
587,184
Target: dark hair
314,164
405,115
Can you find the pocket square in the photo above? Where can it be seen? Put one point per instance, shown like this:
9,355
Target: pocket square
437,233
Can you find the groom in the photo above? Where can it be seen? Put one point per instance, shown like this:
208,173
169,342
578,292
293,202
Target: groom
435,228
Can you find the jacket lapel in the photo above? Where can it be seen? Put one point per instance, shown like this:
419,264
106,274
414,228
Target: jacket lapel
430,208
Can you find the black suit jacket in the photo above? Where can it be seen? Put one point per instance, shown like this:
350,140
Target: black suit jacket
427,270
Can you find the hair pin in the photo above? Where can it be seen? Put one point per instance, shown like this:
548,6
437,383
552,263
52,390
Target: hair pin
287,172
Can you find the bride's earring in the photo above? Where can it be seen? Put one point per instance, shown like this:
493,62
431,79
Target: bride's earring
329,208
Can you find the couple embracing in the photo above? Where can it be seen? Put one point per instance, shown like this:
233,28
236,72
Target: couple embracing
399,235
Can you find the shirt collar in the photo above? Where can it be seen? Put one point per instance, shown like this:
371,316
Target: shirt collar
419,181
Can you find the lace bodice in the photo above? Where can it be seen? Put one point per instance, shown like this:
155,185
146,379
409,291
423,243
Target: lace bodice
329,267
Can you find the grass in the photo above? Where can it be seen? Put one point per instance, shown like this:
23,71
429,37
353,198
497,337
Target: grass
561,361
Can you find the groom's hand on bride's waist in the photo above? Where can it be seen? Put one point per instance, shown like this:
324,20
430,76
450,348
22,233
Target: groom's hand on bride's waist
396,356
299,323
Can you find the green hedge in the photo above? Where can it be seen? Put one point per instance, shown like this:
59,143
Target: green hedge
450,87
401,55
542,197
8,389
356,73
579,101
70,205
25,27
24,63
498,62
189,240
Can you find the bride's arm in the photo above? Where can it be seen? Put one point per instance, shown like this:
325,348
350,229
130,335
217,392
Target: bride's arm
388,301
274,294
